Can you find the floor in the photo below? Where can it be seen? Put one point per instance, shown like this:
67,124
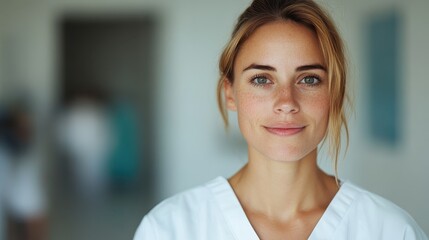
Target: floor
114,217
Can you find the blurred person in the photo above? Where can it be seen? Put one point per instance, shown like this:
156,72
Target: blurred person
85,134
284,73
22,195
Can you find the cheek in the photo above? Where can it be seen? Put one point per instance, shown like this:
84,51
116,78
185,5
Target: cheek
319,108
251,106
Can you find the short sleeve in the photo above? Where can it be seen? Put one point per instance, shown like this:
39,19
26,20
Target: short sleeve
146,230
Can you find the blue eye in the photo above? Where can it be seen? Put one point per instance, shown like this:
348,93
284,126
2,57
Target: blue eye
260,80
310,80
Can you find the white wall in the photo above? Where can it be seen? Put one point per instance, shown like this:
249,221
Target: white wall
192,144
400,174
190,123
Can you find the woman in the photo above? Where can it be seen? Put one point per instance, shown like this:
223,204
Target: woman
283,72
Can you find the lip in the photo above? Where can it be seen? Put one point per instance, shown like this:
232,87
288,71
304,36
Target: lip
285,130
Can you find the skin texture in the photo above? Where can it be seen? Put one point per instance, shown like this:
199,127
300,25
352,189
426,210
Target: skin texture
280,93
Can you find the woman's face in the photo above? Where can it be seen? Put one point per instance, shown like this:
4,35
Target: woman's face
280,91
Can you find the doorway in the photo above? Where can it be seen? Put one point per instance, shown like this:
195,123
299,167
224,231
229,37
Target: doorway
111,59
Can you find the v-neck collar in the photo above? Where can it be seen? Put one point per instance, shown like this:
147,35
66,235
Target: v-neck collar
334,213
231,209
241,228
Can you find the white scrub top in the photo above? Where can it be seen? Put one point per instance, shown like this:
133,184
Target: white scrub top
213,212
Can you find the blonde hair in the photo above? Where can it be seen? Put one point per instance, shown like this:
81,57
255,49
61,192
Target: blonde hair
309,14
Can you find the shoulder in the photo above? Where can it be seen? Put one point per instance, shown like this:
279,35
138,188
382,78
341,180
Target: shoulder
183,204
181,214
375,212
376,205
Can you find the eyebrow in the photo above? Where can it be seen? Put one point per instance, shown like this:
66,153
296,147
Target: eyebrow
260,67
310,67
271,68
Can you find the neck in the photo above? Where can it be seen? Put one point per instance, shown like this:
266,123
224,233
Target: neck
283,189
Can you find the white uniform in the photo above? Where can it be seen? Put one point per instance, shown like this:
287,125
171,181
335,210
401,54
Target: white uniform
212,211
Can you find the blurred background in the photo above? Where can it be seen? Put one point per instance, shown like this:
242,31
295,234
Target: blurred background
107,107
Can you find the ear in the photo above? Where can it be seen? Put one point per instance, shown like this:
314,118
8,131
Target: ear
229,95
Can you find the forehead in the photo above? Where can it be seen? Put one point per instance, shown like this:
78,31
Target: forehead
284,43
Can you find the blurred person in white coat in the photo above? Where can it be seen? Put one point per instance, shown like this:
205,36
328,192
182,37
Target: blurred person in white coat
85,134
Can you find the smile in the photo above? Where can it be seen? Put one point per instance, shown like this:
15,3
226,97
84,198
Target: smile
285,131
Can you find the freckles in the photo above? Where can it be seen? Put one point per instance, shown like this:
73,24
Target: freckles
250,102
251,108
320,104
319,100
317,106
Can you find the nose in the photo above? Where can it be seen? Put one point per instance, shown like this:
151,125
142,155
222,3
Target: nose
286,101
